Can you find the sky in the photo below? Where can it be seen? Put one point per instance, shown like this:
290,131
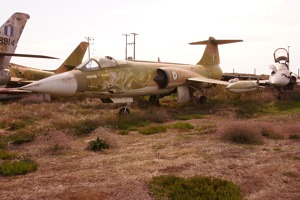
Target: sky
164,28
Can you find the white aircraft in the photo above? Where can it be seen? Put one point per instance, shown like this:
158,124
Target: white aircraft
281,77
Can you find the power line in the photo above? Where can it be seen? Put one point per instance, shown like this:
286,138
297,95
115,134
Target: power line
90,41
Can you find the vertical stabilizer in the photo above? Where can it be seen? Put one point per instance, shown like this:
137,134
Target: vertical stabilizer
211,53
74,59
10,33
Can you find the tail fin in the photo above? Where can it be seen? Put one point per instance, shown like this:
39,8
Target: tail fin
211,53
74,59
10,33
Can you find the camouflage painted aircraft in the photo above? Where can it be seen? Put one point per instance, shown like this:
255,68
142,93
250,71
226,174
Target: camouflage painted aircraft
10,33
21,75
121,80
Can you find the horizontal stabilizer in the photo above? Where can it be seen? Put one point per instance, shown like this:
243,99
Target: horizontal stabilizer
218,42
211,52
26,55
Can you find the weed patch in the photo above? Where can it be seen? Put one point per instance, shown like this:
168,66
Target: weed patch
207,129
98,145
171,187
268,131
85,126
5,155
3,142
15,124
56,149
242,133
188,117
21,137
182,126
152,130
10,168
294,137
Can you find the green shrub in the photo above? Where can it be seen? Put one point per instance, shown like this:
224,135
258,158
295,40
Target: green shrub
3,142
207,128
171,187
130,122
182,125
294,137
10,168
98,145
123,132
15,124
189,116
21,137
152,130
5,155
85,126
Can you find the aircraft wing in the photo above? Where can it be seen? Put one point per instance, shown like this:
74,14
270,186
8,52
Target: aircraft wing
26,55
235,86
13,91
208,80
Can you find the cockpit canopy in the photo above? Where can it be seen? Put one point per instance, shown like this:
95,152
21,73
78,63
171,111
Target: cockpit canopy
281,55
97,63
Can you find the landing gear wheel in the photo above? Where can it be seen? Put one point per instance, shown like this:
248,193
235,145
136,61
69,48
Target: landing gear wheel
154,99
202,100
124,111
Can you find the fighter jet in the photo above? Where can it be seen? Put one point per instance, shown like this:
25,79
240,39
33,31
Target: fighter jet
121,80
281,77
21,75
10,33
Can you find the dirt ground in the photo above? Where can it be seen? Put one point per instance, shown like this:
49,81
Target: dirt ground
268,171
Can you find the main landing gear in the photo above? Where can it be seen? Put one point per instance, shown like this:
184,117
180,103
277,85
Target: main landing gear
154,99
124,111
202,100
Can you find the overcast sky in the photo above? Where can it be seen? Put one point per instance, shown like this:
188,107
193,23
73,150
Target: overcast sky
165,28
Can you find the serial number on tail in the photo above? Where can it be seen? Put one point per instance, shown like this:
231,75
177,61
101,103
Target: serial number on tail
7,41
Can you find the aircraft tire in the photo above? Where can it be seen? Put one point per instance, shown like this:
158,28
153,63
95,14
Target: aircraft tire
202,100
124,111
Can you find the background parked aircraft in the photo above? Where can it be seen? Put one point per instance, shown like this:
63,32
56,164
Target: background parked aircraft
21,75
10,33
117,80
281,77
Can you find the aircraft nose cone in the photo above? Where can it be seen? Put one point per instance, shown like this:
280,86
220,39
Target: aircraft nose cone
279,79
63,84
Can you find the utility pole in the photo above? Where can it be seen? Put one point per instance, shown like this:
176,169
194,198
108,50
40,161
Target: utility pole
126,35
90,41
134,34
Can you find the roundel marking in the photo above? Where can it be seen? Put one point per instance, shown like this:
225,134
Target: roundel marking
174,74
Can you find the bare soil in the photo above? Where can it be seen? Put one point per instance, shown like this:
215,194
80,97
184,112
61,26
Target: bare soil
67,170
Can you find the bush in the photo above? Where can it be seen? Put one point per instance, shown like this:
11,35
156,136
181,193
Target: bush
152,130
182,125
5,155
268,131
21,137
242,133
189,116
294,137
85,126
3,142
98,145
15,124
10,168
198,187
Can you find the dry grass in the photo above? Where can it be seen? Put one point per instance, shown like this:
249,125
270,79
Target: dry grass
68,171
